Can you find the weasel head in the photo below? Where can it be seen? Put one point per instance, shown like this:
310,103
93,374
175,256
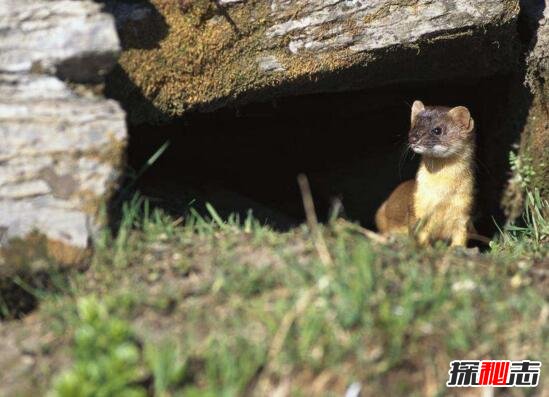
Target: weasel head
440,131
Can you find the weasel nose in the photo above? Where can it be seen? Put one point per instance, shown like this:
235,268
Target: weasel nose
413,139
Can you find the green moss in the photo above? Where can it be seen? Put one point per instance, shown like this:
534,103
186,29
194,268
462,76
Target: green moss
207,58
202,58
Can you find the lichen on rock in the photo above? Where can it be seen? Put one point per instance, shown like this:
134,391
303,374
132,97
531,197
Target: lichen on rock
207,54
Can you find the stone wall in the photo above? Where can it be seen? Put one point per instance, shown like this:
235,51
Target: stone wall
61,143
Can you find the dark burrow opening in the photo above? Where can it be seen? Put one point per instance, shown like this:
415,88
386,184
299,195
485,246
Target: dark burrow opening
351,145
30,276
15,300
20,294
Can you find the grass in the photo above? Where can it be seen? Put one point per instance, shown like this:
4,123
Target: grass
213,307
199,306
531,234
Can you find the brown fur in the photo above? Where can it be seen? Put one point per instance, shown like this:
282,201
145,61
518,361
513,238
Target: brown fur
437,204
395,214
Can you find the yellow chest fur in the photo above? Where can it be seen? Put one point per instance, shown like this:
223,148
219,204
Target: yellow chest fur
443,198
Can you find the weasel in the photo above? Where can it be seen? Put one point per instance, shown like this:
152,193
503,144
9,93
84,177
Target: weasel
437,204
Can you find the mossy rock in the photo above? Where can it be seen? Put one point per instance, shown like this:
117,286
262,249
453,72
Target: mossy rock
196,54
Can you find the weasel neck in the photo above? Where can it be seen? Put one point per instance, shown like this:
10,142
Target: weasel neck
457,164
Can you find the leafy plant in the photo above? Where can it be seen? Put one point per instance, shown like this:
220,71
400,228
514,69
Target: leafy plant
107,358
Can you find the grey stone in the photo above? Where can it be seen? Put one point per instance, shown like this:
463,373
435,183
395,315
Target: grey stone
229,2
57,158
376,23
73,39
61,150
270,64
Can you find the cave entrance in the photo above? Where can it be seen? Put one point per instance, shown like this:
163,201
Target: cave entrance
351,145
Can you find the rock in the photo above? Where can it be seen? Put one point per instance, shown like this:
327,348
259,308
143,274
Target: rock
359,25
213,56
270,64
229,2
61,151
535,139
73,39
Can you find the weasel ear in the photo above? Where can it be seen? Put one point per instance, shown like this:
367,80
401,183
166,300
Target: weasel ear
417,107
462,117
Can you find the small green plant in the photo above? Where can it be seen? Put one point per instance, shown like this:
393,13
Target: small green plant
231,362
532,232
167,365
522,168
106,357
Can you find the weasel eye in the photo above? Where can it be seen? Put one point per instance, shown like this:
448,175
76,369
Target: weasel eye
436,131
